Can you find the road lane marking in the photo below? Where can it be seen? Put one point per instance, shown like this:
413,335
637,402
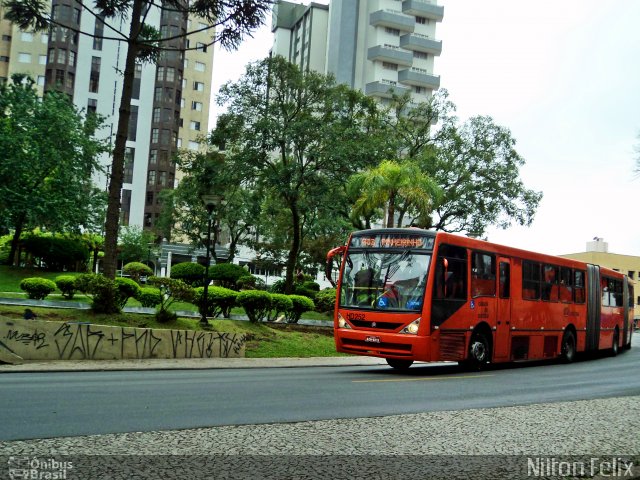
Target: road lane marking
419,379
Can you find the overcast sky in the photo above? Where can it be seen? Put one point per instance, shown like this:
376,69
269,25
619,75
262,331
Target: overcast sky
564,77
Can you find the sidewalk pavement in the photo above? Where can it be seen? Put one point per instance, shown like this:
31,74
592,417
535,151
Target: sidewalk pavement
187,364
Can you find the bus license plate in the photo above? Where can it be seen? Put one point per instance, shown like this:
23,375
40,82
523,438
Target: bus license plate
372,339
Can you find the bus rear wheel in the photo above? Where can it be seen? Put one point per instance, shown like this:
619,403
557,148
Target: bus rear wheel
568,347
399,364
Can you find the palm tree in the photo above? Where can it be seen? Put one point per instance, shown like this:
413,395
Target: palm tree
397,186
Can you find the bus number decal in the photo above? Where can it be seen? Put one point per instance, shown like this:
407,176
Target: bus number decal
355,316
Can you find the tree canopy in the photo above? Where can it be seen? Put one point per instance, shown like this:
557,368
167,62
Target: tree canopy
228,22
48,153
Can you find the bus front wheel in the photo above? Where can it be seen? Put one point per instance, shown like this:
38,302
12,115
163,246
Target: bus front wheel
479,351
399,364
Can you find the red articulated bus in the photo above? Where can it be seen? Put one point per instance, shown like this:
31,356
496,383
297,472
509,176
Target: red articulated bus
415,295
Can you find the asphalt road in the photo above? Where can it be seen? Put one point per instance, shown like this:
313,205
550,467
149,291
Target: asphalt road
55,404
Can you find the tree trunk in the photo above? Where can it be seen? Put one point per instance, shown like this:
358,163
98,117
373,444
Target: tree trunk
117,167
292,258
13,258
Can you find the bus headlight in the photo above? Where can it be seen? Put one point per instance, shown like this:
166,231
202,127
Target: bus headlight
342,323
412,328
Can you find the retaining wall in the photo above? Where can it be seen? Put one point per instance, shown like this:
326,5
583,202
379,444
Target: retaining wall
44,340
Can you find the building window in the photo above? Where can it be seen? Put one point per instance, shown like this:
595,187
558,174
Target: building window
94,76
24,57
201,47
194,125
420,55
156,115
40,81
44,38
42,59
92,105
389,66
155,135
198,86
133,123
422,20
151,178
200,67
193,145
59,77
6,38
197,106
62,56
4,58
129,155
137,76
392,31
98,33
69,80
153,157
125,210
158,94
26,36
171,74
162,180
419,90
149,200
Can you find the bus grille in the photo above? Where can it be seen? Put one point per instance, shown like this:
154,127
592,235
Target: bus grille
377,348
376,325
452,346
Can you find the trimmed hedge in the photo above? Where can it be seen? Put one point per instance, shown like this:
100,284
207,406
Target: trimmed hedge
281,304
220,301
136,270
67,285
256,303
301,304
326,300
189,272
227,274
37,288
126,288
149,297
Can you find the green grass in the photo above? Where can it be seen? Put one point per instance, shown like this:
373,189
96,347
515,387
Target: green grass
10,277
263,340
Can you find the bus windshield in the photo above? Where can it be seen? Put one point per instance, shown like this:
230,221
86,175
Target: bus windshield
383,280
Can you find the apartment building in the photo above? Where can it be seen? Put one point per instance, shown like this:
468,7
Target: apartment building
377,46
170,104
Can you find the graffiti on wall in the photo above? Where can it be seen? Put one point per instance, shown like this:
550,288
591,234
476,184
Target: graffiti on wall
81,341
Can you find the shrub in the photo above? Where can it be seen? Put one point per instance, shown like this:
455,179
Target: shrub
103,293
57,252
247,282
37,288
149,297
325,300
300,305
227,274
136,270
281,304
67,285
83,281
171,290
311,285
125,289
189,272
301,290
256,304
220,301
277,286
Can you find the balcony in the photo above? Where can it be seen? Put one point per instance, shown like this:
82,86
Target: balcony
391,54
421,43
385,89
393,19
423,8
419,78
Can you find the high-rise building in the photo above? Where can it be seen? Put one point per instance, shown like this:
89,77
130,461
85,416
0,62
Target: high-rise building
170,102
376,46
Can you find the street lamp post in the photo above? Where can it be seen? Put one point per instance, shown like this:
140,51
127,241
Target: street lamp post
210,202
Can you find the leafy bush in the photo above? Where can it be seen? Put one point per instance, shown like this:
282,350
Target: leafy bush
103,293
301,304
126,289
256,304
277,286
171,290
37,288
326,300
189,272
220,301
67,285
281,304
57,252
149,297
136,270
311,285
305,292
227,274
247,282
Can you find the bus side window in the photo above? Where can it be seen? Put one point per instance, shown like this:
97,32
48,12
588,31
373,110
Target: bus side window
530,280
604,290
566,285
578,286
483,275
550,283
451,273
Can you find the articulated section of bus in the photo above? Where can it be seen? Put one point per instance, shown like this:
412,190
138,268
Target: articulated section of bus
380,308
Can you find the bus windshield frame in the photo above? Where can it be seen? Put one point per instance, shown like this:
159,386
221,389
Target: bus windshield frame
380,276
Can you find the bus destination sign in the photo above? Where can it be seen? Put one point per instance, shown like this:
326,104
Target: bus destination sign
392,241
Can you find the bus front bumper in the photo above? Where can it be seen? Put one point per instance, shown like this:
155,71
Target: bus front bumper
385,345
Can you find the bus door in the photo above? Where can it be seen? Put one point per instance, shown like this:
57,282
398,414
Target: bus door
503,320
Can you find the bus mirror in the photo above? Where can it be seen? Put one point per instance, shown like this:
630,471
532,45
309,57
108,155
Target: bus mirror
330,272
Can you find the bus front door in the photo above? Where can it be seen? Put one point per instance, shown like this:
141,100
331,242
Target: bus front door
502,337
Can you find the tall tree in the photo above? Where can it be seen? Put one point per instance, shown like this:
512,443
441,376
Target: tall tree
299,135
48,153
228,20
